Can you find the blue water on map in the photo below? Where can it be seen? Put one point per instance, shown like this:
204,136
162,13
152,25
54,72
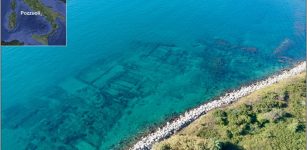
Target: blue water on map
130,65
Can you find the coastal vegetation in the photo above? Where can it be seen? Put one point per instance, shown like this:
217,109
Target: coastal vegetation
270,118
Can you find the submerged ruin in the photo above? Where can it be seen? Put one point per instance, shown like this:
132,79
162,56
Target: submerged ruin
83,110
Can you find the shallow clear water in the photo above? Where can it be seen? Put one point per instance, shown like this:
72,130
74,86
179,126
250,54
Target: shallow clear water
129,65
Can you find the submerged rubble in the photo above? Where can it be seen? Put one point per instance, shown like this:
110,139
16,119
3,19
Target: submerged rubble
283,46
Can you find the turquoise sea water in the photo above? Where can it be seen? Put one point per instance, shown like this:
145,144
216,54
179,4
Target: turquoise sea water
130,65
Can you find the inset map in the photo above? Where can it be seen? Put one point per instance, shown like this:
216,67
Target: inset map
33,22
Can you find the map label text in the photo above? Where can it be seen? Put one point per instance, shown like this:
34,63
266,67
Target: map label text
30,13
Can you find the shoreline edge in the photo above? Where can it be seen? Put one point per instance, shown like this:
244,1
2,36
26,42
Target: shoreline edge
189,116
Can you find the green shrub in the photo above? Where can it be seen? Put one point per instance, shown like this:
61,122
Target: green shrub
245,109
255,127
262,120
271,96
218,145
243,119
296,126
166,147
220,117
267,105
237,117
229,134
268,134
285,96
273,116
299,87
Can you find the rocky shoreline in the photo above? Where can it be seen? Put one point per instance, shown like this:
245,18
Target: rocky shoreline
183,120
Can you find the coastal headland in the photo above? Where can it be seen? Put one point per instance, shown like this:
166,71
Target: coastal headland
188,117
